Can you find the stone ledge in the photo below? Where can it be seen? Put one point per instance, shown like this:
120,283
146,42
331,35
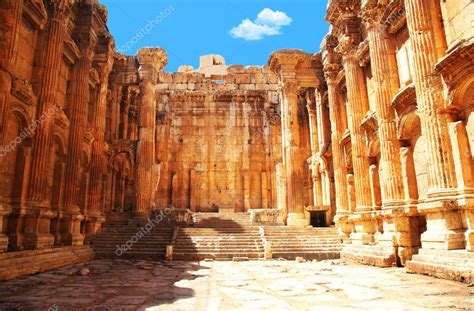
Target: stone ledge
369,255
451,265
23,263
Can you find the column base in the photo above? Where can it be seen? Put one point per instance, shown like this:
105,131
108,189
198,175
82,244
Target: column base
364,227
37,221
468,218
4,212
297,220
3,243
444,231
71,227
38,240
344,226
93,225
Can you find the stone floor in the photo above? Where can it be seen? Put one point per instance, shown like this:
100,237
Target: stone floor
253,285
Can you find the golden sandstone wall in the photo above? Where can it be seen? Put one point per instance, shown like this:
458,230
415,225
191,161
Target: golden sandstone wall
375,130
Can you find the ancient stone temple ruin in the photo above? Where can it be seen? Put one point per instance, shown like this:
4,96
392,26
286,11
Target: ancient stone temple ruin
362,150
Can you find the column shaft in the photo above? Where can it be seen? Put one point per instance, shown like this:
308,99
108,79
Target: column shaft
53,51
358,106
382,55
423,21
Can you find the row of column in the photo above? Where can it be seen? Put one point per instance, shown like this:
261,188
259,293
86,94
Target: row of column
29,222
400,227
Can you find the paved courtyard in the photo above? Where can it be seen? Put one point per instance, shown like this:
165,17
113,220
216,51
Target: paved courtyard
254,285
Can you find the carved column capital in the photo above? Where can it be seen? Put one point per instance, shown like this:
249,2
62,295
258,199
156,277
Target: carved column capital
347,45
331,70
60,9
371,13
310,101
290,87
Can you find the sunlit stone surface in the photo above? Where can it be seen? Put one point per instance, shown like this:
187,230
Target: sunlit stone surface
107,156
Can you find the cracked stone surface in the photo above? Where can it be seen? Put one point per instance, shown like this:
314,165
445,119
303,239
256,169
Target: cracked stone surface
252,285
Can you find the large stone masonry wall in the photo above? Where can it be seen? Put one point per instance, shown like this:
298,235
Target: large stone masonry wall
219,140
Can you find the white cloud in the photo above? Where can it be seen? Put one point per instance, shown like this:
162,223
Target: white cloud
275,18
268,23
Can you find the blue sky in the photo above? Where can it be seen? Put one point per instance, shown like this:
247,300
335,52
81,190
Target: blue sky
235,29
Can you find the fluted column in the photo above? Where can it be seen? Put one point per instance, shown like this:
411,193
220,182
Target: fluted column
294,155
385,77
39,215
52,55
78,111
95,212
10,15
152,61
357,107
313,126
444,221
424,25
331,71
145,148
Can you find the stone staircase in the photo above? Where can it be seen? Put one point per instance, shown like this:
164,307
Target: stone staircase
28,262
144,246
455,265
220,237
309,243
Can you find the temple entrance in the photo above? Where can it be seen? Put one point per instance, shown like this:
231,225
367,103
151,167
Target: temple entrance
318,219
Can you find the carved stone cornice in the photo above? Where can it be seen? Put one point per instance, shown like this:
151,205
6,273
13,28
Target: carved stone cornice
405,100
35,12
363,54
370,127
61,120
385,17
94,77
453,66
22,89
71,51
394,17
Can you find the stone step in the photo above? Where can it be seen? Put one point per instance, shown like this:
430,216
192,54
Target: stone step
320,255
457,253
439,270
20,263
216,256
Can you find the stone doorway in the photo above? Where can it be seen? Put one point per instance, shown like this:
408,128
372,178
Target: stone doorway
318,219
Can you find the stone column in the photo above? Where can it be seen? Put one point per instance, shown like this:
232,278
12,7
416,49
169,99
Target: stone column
385,76
10,15
294,155
313,126
444,225
71,216
38,196
357,107
145,148
151,62
95,213
331,69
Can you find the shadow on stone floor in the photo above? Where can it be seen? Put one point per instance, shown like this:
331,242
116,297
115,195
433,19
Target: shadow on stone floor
111,285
